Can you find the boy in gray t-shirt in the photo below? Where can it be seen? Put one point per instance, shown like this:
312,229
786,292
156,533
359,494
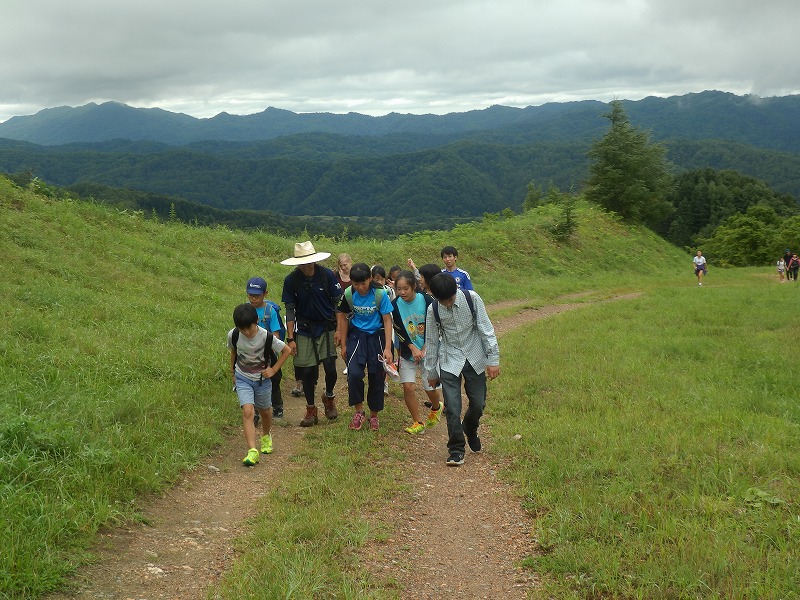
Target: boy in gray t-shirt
250,347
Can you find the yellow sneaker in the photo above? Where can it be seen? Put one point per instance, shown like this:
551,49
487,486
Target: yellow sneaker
416,427
251,458
434,416
266,444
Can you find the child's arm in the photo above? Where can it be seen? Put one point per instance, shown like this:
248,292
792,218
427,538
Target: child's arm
342,328
271,370
387,333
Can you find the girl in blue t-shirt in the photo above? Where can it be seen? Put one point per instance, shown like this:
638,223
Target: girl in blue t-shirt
408,316
364,335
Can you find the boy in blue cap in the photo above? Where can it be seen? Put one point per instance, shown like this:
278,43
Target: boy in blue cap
269,319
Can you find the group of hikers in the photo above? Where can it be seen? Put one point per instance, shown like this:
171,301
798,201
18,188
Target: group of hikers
411,323
788,266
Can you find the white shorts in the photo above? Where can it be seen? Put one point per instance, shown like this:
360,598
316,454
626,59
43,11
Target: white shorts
408,373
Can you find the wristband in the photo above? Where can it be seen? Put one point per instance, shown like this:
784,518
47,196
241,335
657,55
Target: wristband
289,340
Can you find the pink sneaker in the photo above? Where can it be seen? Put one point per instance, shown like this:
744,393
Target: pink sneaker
358,421
373,423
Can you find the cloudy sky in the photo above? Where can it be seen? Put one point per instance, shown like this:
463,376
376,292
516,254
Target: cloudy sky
203,57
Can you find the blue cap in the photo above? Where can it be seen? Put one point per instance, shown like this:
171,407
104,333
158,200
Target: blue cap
256,286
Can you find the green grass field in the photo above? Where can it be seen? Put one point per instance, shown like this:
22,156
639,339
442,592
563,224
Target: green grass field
658,435
661,442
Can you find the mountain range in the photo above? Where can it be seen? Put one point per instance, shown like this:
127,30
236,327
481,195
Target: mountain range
459,164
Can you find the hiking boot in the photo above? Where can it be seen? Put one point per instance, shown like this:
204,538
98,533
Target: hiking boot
456,459
251,458
474,442
416,427
277,412
373,423
330,406
298,390
266,444
256,418
310,418
434,416
358,421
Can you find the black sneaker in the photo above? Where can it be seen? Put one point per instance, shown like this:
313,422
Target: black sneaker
474,442
456,459
256,418
277,413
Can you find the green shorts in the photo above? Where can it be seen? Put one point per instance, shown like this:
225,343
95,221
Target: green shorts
312,351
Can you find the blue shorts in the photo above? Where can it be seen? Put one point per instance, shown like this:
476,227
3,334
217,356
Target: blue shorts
254,392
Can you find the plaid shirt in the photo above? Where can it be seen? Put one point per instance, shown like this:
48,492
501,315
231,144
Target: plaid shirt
461,341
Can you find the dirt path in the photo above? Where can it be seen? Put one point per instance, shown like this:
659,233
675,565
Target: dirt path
462,520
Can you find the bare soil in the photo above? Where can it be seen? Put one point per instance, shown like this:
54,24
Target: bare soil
463,536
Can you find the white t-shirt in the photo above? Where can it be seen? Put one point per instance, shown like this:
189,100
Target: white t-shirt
250,352
699,260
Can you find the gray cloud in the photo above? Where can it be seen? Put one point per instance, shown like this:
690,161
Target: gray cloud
372,56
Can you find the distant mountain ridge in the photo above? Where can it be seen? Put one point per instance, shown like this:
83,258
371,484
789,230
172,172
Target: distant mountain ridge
402,167
764,122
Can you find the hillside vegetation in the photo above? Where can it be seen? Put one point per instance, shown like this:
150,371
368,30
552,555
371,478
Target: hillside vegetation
656,439
115,334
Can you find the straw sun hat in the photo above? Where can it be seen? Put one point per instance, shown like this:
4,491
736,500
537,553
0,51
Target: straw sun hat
305,253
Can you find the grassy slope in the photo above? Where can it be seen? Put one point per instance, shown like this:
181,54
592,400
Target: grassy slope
114,332
661,441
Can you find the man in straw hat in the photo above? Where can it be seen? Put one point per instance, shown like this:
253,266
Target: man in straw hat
311,293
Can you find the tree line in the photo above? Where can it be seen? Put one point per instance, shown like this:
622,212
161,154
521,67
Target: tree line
737,219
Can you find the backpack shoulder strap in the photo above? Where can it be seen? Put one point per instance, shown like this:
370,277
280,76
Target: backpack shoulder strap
468,296
235,338
379,293
470,304
348,295
268,350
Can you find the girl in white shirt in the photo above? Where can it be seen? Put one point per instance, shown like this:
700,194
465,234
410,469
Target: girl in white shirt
699,267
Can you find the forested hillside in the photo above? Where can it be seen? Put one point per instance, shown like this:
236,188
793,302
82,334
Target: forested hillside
428,171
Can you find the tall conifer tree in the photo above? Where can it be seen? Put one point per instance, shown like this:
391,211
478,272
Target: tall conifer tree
629,174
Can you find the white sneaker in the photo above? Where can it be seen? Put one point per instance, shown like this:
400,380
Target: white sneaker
701,283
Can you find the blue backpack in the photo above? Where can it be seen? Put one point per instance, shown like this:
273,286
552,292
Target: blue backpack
273,306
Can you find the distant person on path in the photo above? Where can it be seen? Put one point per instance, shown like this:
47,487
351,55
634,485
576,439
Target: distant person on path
449,257
787,258
699,267
269,318
364,334
408,314
794,266
781,270
311,293
460,346
251,348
